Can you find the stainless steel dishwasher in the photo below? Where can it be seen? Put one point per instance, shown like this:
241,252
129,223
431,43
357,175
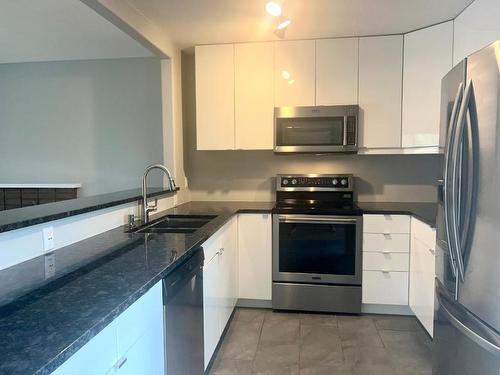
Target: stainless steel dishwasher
183,308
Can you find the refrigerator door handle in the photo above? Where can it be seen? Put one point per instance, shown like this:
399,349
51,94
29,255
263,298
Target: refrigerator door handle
447,174
492,347
456,180
470,164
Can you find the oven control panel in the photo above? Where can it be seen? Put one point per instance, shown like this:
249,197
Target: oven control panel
315,182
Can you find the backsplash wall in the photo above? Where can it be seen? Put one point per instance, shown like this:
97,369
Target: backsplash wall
249,175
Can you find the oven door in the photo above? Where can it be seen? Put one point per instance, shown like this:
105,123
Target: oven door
317,249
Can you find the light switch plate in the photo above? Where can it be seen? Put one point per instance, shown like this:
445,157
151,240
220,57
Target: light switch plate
50,265
48,238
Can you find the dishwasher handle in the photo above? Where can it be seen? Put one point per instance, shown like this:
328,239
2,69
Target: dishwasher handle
174,282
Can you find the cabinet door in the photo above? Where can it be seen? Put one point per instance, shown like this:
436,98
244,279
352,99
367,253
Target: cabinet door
146,356
427,58
211,307
337,71
141,316
228,270
475,28
255,256
422,273
380,80
215,97
254,99
294,71
96,357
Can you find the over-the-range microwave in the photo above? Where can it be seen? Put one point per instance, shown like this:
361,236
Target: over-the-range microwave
319,129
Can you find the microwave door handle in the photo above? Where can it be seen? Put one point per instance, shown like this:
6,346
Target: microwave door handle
344,141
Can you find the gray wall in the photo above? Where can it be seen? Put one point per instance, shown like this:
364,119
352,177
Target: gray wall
248,175
97,122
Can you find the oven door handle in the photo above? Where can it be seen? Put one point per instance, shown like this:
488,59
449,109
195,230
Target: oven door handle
317,220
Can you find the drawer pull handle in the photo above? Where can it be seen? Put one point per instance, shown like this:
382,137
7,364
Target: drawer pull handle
121,362
386,251
432,251
385,270
387,235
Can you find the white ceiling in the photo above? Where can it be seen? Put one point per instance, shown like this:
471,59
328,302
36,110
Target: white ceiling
50,30
192,22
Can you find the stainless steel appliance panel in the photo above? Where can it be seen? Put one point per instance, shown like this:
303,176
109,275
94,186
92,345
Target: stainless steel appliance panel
463,345
318,298
183,307
317,249
479,289
316,129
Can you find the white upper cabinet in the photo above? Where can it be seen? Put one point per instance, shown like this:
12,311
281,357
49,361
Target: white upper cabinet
476,27
427,58
380,81
294,73
254,99
215,97
337,71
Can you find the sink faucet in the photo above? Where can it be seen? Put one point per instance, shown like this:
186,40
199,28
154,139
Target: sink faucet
146,209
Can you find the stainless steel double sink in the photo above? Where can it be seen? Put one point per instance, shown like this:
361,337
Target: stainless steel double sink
176,224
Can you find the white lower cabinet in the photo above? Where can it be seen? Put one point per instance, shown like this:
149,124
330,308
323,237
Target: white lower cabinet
131,344
422,273
385,287
255,256
385,259
211,307
220,284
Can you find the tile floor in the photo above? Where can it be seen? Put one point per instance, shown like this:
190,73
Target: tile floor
265,342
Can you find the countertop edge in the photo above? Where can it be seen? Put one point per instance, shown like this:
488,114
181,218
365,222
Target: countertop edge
76,211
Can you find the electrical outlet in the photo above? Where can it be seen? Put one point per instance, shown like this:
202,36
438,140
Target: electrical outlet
48,238
50,265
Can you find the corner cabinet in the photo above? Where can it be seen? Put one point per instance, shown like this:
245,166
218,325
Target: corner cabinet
427,58
133,343
476,27
380,86
215,97
220,284
422,273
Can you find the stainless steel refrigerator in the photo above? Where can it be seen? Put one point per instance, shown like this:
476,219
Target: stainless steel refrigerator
467,316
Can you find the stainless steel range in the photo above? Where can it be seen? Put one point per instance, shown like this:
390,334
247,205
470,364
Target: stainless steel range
317,243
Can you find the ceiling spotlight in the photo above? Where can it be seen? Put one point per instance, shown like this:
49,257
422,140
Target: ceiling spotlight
284,24
273,8
285,74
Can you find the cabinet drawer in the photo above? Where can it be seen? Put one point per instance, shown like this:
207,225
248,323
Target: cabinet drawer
388,288
424,233
386,224
143,314
389,261
394,243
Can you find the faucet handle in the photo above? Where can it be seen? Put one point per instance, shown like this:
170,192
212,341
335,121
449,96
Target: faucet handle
154,206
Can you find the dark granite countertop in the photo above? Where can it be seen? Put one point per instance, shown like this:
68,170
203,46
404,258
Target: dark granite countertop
425,212
27,216
43,328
